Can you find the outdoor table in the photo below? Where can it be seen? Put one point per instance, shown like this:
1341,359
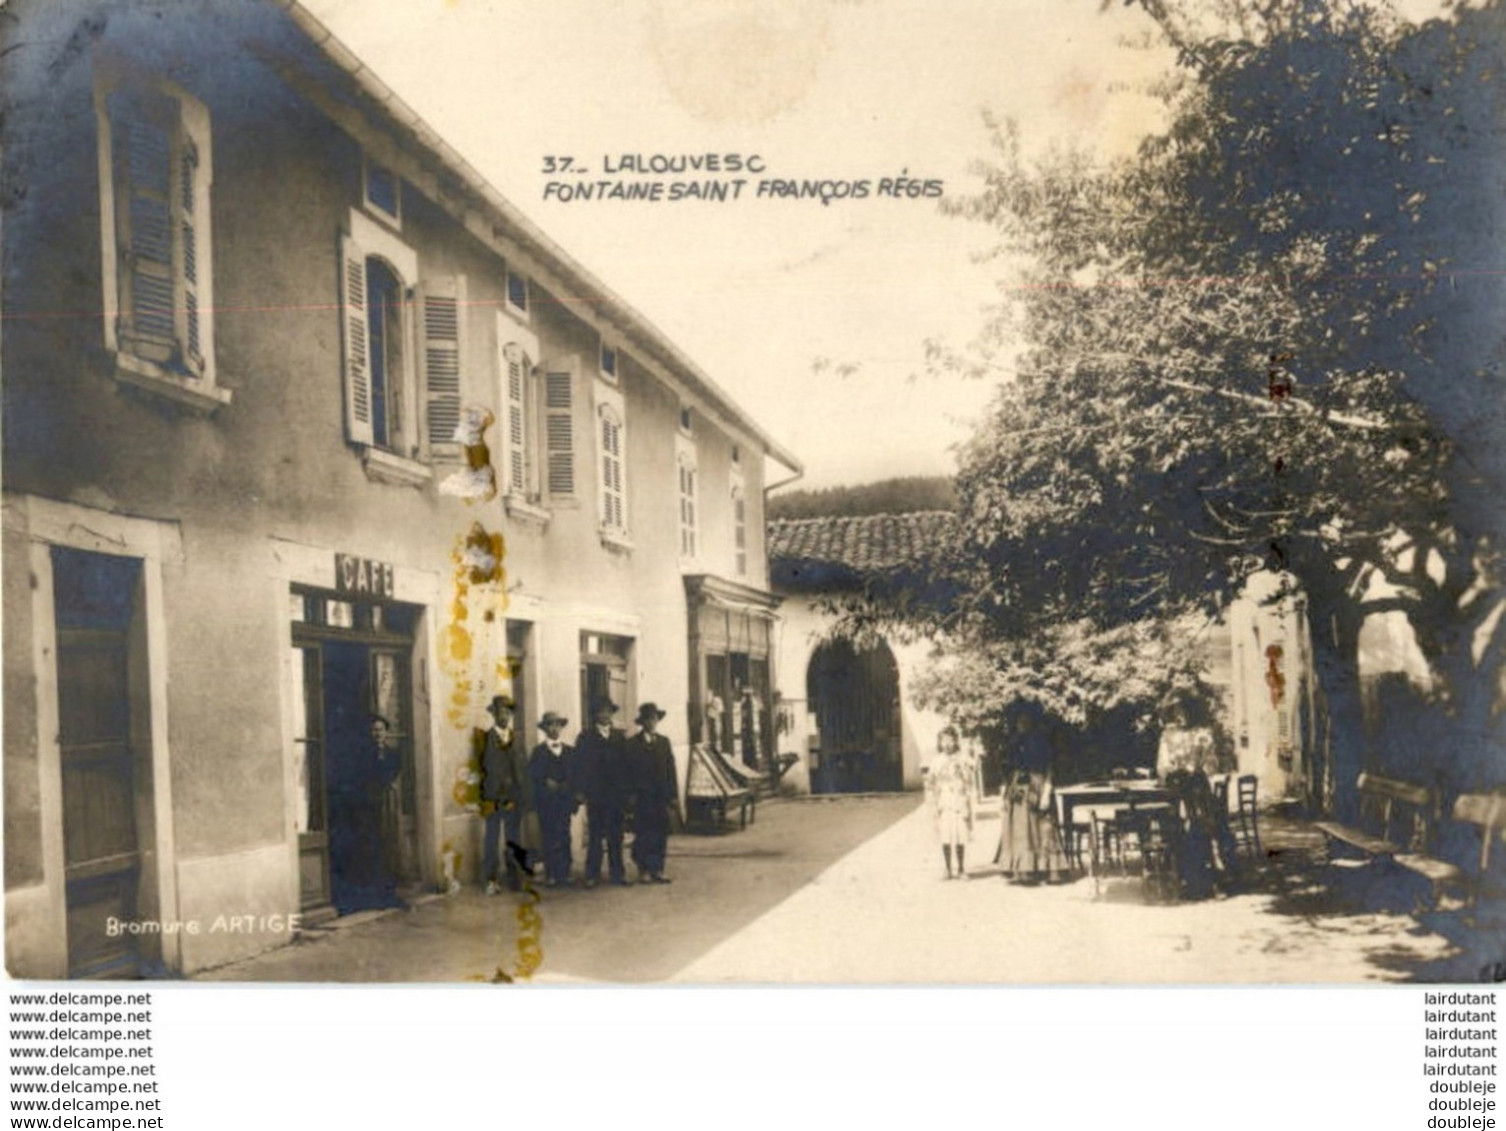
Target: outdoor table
1130,791
1110,794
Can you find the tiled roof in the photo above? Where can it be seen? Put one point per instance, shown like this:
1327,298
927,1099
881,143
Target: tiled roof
855,547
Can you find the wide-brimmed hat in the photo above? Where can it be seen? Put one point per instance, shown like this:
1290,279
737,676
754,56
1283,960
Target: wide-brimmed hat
650,709
553,717
604,705
500,701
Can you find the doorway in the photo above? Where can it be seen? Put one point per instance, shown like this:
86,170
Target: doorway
104,741
354,662
605,673
855,697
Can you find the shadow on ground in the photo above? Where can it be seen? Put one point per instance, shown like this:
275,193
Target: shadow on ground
1332,892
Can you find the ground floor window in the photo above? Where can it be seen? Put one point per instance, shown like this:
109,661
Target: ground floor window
732,709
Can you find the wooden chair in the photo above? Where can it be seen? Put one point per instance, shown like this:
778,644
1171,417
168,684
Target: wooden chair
1157,829
1107,847
1077,843
1246,824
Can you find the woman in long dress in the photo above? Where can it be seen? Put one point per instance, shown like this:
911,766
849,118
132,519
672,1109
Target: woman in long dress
949,789
1030,847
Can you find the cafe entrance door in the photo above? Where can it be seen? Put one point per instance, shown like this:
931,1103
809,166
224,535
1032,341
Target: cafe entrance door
353,661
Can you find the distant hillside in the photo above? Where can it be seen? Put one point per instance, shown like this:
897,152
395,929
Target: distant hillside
888,496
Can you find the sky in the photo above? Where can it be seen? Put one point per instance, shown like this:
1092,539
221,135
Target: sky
813,316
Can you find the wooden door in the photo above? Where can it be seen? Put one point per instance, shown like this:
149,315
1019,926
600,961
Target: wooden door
311,816
105,781
389,682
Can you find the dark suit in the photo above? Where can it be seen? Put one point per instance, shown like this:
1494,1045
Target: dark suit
655,788
506,794
359,873
552,776
602,782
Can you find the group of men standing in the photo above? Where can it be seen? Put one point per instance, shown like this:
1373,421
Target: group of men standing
529,798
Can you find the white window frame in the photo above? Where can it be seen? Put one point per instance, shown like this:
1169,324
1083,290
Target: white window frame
739,497
560,429
520,421
613,514
687,499
523,312
438,317
169,367
401,460
607,351
393,218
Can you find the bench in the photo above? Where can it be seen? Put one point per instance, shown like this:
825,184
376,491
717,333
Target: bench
1486,813
711,789
1398,822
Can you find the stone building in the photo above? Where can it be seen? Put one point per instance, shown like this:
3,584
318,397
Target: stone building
303,422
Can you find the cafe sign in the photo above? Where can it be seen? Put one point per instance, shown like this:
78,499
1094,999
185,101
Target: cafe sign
363,577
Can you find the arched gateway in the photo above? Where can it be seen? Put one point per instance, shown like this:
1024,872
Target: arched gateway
854,695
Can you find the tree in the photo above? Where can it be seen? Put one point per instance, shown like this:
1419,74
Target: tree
1269,340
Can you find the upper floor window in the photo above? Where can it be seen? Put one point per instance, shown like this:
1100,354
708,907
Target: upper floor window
613,480
386,312
403,340
517,293
384,191
687,474
685,420
520,409
608,362
740,530
155,176
538,421
559,430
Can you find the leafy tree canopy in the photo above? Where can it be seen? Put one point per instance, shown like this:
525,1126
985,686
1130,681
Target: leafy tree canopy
1271,339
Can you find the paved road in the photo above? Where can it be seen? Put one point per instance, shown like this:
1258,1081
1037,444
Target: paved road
850,891
640,934
884,914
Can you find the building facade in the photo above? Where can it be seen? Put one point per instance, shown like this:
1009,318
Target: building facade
304,422
846,707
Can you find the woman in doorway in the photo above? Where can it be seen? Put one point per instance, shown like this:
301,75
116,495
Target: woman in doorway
949,789
362,874
1030,848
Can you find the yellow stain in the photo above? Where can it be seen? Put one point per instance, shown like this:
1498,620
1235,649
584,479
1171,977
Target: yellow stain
459,642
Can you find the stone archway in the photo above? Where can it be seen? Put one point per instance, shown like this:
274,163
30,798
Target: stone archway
854,695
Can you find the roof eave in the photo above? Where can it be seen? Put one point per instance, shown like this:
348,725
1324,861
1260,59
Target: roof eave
527,232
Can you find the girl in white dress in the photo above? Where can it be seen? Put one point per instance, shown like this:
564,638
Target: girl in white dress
949,789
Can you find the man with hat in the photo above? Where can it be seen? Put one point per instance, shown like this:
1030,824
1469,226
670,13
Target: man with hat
506,795
655,790
551,772
602,784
